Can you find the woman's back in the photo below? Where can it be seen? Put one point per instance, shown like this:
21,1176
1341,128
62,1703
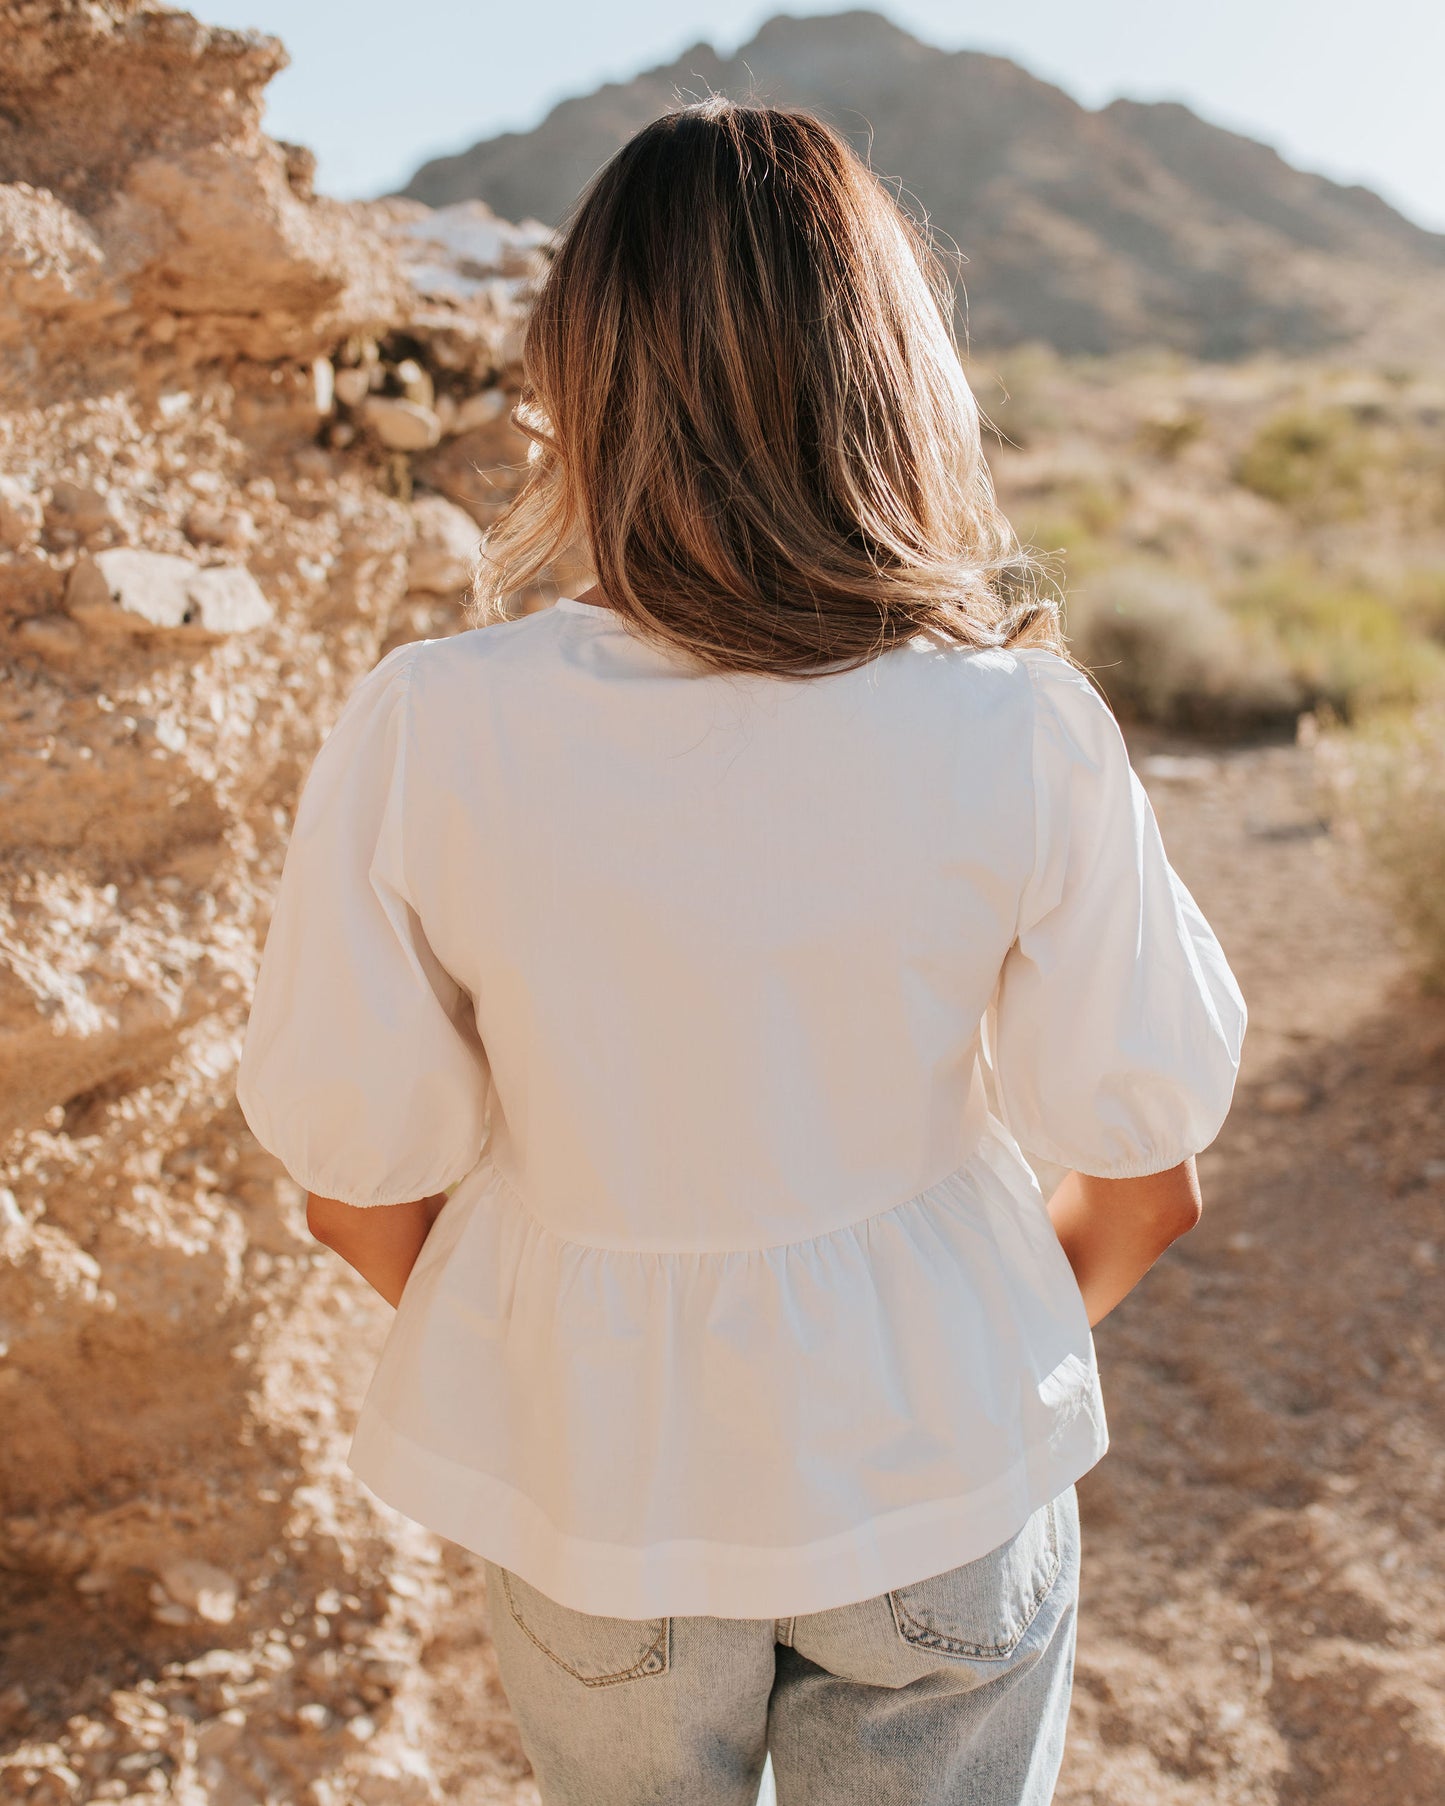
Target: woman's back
730,939
728,1001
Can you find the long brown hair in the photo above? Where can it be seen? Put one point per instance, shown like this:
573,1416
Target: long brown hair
748,413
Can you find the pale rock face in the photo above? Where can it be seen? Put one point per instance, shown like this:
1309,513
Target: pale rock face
21,514
196,218
227,599
401,425
445,547
127,591
201,1587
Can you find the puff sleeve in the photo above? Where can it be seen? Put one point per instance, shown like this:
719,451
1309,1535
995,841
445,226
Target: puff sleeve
362,1069
1117,1023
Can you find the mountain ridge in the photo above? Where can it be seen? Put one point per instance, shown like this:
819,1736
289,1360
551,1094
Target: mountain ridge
1093,230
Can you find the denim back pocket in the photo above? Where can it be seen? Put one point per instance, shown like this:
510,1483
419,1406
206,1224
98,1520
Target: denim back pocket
982,1610
599,1652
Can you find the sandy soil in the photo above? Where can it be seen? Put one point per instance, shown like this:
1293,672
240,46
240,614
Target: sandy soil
1263,1616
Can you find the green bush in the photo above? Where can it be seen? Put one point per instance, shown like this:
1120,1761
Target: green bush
1317,460
1333,464
1345,644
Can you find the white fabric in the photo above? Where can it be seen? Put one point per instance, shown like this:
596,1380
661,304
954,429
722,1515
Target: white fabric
738,1006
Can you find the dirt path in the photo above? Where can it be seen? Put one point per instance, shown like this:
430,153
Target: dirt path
1263,1615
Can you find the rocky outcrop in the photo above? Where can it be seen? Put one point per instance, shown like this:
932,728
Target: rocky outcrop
209,527
146,200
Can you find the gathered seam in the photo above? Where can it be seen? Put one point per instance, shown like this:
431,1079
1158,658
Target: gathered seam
975,1162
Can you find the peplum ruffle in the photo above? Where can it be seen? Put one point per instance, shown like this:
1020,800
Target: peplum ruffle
607,1422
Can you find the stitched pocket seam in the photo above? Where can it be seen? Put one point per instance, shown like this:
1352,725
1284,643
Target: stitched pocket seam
920,1635
653,1660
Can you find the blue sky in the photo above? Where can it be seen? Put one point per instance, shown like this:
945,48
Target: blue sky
1352,91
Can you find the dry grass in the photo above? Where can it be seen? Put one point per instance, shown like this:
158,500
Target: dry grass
1166,651
1386,782
1347,644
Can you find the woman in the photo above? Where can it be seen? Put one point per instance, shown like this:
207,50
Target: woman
673,996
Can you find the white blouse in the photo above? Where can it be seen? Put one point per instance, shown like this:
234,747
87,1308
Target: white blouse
735,1009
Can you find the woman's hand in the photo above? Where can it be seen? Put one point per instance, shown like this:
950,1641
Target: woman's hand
1113,1230
380,1241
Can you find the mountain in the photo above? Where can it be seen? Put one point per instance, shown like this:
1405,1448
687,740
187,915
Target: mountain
1093,231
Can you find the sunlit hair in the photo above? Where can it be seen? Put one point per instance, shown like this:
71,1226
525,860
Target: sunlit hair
748,413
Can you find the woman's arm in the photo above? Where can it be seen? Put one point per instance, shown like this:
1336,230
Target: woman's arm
381,1242
1113,1230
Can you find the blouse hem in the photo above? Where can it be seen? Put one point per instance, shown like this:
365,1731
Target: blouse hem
694,1577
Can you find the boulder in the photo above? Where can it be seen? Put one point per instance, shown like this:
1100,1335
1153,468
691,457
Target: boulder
401,425
200,1587
353,385
130,591
78,511
445,548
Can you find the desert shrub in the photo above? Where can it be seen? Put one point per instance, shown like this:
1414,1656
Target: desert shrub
1345,644
1315,458
1166,434
1421,600
1099,507
1339,463
1386,781
1075,517
1165,651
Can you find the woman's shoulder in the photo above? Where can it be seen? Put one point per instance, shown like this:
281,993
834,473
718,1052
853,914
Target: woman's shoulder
1048,683
1023,696
1015,677
456,664
1046,670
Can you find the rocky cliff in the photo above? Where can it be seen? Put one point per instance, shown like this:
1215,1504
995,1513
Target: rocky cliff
246,436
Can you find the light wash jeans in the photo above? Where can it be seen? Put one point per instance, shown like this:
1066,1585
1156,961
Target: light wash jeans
951,1692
